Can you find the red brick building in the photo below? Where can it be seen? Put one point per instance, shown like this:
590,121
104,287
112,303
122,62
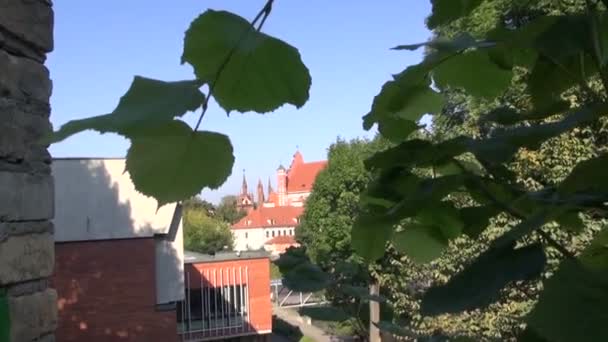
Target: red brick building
227,297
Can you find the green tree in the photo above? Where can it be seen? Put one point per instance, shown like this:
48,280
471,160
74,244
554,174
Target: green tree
228,210
197,203
204,234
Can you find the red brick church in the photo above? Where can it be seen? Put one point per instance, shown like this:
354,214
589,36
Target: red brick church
271,220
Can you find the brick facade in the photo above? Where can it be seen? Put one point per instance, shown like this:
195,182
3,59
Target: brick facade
106,292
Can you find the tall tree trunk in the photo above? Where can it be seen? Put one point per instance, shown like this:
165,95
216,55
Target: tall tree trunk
374,313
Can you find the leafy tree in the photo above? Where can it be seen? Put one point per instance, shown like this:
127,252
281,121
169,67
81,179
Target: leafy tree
197,203
228,210
204,234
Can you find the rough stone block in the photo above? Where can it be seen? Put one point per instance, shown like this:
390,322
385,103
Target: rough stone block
28,20
33,316
26,257
28,287
22,131
25,196
22,78
8,229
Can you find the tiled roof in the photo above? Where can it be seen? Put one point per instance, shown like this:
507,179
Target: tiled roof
281,240
302,176
270,217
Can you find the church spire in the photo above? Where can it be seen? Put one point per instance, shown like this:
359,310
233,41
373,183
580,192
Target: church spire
244,186
260,192
269,187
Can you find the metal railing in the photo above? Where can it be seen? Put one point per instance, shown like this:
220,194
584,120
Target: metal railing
285,298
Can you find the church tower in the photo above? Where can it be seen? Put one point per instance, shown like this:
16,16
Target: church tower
245,199
260,193
282,185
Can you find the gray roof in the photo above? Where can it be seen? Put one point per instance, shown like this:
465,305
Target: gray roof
194,257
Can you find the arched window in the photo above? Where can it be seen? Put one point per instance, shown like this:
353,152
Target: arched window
273,233
267,233
284,232
246,235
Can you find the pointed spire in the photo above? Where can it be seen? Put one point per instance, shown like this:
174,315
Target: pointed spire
269,187
261,199
244,186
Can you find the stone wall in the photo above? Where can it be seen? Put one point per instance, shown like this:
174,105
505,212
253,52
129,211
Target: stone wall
27,304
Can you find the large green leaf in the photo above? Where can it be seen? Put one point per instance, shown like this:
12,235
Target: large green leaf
509,116
476,219
589,177
475,72
444,216
146,101
262,72
479,284
446,11
461,42
370,234
421,243
171,162
324,313
403,102
572,306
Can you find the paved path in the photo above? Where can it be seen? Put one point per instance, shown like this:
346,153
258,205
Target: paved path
293,318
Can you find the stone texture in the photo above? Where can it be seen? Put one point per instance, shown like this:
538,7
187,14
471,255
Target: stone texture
33,315
8,229
28,287
29,22
22,78
26,257
26,196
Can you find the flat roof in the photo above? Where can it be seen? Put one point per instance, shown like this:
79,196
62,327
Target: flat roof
194,257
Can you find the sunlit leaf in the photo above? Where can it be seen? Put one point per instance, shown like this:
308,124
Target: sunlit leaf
572,305
170,162
475,72
262,73
421,243
479,284
147,101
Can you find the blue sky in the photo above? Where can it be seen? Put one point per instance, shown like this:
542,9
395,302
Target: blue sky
100,46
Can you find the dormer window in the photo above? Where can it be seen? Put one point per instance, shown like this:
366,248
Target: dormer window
249,222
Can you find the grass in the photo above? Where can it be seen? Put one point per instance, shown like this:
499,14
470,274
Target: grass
306,339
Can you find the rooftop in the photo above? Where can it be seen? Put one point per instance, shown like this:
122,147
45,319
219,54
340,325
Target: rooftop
194,257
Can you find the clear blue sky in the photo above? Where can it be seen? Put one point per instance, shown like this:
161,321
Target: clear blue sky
101,45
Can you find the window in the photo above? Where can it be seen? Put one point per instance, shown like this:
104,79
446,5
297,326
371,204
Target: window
246,235
273,233
291,232
267,234
284,232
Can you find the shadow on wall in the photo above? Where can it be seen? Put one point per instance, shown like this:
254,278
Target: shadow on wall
106,257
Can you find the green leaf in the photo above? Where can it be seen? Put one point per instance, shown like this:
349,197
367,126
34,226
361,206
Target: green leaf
572,306
262,72
475,72
587,177
306,277
370,234
403,102
393,328
147,101
477,219
461,42
170,162
446,11
509,116
324,313
421,243
479,284
444,216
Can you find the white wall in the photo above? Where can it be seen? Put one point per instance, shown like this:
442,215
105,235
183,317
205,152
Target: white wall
95,199
255,238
